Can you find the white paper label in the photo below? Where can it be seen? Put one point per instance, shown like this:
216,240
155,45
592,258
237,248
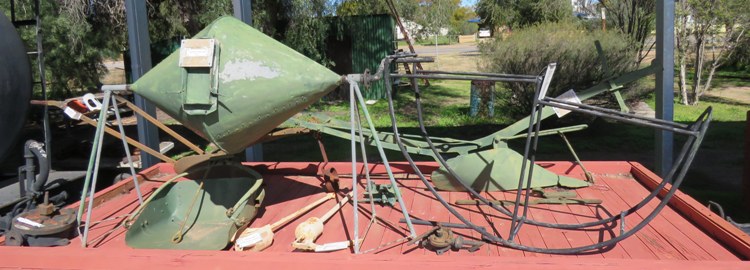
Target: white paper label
73,114
249,240
30,222
196,52
569,96
332,246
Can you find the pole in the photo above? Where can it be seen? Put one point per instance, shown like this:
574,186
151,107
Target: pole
140,62
243,10
664,82
604,19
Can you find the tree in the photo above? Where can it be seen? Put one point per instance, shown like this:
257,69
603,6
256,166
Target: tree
406,8
635,18
707,30
435,15
522,13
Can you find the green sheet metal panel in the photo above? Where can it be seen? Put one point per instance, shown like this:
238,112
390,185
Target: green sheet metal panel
258,84
373,38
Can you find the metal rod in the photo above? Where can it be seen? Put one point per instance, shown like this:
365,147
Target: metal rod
614,112
383,157
494,75
462,78
352,105
620,118
588,175
700,124
160,125
94,171
127,151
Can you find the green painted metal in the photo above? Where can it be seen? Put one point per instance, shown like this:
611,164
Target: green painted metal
229,199
258,84
372,40
496,169
486,162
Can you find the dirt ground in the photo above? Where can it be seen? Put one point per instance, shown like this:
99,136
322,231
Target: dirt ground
456,57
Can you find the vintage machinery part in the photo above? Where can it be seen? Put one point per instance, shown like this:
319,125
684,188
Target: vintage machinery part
441,239
15,85
33,187
228,200
382,194
211,81
44,226
447,146
258,239
330,175
463,183
33,183
425,135
696,131
309,230
355,98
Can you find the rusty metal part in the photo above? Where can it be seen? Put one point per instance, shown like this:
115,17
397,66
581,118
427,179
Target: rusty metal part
382,194
185,163
589,176
331,179
162,126
441,239
109,130
330,175
61,220
45,208
282,133
180,232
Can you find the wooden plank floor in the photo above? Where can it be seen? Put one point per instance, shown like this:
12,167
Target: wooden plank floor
668,237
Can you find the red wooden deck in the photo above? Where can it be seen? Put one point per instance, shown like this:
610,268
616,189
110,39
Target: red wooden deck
684,235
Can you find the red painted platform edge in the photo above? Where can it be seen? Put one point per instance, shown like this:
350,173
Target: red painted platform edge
694,211
27,257
312,168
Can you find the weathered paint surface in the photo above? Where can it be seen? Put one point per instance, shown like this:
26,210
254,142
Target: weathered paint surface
246,70
261,83
496,170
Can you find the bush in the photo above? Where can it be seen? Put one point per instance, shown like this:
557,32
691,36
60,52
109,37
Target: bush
529,50
740,59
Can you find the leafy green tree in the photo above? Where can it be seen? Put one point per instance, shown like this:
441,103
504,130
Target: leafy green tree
709,32
635,18
435,15
406,8
522,13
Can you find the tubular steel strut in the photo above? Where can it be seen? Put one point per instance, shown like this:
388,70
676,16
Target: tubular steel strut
695,133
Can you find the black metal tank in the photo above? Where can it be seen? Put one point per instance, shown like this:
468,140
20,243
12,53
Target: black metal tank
15,85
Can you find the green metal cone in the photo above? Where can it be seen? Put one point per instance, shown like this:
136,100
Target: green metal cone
496,170
260,83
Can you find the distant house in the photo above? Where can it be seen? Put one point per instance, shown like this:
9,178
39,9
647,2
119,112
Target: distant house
580,6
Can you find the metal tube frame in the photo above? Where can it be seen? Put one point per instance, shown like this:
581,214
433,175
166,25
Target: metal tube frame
695,131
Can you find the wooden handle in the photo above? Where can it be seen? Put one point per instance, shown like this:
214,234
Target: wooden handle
298,213
335,208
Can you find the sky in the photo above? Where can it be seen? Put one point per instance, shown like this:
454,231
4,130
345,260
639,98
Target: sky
467,3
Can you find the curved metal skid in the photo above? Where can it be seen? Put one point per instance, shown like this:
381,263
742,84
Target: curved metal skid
695,133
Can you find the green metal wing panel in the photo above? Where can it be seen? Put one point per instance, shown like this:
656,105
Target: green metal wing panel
255,84
496,170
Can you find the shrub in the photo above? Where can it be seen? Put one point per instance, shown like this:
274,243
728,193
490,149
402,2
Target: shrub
529,50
